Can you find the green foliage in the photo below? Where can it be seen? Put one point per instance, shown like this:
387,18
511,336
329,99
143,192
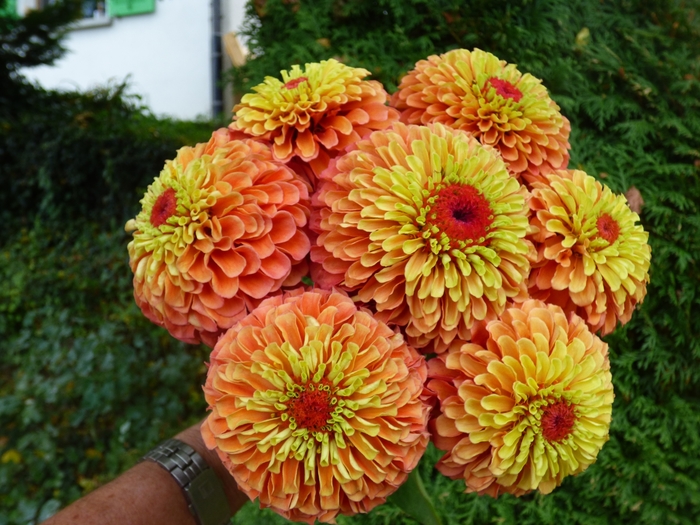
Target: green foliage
627,75
385,36
413,499
87,384
84,155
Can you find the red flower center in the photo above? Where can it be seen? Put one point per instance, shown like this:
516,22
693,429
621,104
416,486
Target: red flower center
295,82
608,228
462,214
164,208
313,408
557,421
505,89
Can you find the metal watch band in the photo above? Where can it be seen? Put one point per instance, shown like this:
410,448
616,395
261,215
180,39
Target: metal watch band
202,488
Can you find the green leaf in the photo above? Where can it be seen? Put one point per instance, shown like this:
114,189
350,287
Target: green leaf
413,499
8,8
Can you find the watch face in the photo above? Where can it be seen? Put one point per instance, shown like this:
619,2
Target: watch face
208,500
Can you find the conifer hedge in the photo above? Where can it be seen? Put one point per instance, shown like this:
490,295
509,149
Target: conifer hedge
627,75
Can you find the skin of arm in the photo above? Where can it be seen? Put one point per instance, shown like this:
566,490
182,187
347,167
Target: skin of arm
147,494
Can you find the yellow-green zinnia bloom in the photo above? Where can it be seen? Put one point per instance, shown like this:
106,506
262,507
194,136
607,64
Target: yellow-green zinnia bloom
593,255
476,92
316,406
220,229
428,225
523,405
314,112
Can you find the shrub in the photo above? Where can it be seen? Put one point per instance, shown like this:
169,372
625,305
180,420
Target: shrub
87,384
84,156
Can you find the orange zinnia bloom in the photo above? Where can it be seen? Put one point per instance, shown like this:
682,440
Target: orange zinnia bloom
476,92
428,226
220,229
592,255
316,407
314,113
525,404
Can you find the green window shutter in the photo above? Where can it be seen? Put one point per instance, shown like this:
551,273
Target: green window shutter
131,7
8,7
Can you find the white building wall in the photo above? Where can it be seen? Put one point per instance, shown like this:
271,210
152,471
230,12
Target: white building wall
166,55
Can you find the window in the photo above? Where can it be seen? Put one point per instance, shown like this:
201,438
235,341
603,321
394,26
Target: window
95,12
94,9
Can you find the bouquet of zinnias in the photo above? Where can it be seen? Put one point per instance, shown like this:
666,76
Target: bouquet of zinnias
377,272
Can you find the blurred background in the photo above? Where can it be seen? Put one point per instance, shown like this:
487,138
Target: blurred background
96,95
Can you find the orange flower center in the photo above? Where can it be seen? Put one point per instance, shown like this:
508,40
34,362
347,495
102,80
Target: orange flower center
164,207
312,408
461,213
557,421
505,89
295,82
608,228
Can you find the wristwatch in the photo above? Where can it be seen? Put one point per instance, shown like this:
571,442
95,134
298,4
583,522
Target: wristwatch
202,488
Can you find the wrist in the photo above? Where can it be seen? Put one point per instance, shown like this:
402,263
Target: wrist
193,437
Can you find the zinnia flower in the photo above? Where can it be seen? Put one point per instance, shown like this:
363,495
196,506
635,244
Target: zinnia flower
316,407
427,225
593,256
219,230
314,113
478,93
525,404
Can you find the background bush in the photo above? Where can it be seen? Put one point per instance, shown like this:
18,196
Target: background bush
85,156
87,384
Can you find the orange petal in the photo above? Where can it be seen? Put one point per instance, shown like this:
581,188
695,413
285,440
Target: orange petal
298,246
283,227
340,123
257,286
231,263
276,266
307,148
223,285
